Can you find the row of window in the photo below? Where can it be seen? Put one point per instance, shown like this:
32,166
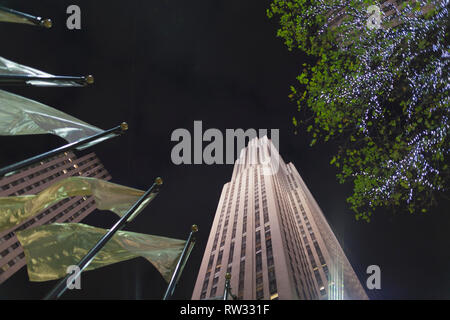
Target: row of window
292,243
308,226
302,234
312,259
226,209
256,196
270,266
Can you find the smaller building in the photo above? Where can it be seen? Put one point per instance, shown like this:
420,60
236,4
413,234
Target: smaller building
34,179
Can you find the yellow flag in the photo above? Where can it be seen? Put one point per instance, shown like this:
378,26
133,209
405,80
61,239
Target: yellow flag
108,196
51,249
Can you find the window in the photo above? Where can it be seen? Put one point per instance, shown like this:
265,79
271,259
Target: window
205,284
230,256
272,281
319,253
210,263
216,238
259,294
258,262
243,246
259,279
311,257
318,278
269,249
258,241
257,223
325,270
266,214
233,234
219,260
241,280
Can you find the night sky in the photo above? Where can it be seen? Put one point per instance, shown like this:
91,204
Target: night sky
160,65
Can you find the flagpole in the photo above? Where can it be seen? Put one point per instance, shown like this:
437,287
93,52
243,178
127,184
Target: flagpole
25,163
19,79
181,263
227,286
38,21
61,287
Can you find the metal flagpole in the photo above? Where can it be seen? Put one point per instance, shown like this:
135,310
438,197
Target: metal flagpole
181,263
19,79
38,21
61,287
25,163
227,286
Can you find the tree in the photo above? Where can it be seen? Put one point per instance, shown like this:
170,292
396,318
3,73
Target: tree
381,92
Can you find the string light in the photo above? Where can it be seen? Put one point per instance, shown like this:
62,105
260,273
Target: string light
406,59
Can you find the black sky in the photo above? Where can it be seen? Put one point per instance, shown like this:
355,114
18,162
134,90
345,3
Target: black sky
160,65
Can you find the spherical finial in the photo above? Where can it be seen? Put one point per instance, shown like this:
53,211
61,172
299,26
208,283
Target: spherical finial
47,23
89,79
159,181
124,126
228,276
194,228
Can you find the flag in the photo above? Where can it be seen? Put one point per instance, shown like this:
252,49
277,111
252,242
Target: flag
13,16
15,210
21,116
50,249
10,68
8,15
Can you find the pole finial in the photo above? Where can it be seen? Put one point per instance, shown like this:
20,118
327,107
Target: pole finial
89,79
124,126
159,181
194,228
228,276
47,23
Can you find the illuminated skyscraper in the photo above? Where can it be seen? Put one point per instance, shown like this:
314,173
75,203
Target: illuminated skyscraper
271,235
34,179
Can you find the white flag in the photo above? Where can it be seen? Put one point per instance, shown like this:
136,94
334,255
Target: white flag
21,116
10,68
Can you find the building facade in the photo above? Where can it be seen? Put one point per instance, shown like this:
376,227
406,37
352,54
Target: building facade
34,179
271,236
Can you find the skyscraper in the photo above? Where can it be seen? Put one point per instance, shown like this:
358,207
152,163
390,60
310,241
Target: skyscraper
34,179
271,235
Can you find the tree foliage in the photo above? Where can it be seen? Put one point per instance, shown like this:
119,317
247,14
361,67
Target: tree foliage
381,94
